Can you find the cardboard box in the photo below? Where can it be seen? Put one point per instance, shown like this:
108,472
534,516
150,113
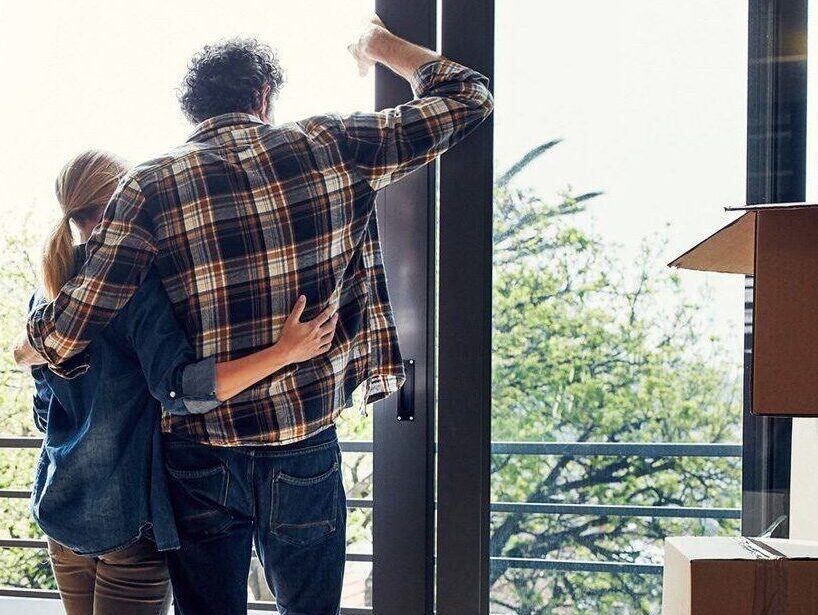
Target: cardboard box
740,576
778,245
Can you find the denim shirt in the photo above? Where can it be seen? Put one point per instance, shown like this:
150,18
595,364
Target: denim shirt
100,482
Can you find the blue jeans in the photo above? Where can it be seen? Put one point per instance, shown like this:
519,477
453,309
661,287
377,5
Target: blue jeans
289,500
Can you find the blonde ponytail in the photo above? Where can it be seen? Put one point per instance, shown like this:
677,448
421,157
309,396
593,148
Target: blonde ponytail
83,187
58,258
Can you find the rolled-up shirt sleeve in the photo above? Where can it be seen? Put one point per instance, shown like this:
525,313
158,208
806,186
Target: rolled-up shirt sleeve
198,388
180,381
450,102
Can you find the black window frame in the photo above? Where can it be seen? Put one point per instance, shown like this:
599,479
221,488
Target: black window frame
776,172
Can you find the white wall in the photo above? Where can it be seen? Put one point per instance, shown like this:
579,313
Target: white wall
804,485
36,606
30,606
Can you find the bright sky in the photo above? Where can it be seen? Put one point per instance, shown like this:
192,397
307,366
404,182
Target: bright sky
94,73
649,95
650,99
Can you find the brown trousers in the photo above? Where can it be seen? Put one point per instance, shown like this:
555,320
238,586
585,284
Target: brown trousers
132,581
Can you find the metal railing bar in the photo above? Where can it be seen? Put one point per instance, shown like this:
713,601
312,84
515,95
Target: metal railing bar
359,557
676,512
23,543
15,493
255,605
25,494
511,562
547,508
617,510
577,565
32,543
348,446
356,446
19,592
617,449
640,449
20,442
359,503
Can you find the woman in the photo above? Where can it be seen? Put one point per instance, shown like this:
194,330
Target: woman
100,493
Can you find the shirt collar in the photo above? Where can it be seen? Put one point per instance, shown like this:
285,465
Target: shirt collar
214,125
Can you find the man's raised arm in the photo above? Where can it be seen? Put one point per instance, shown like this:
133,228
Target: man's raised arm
450,101
119,252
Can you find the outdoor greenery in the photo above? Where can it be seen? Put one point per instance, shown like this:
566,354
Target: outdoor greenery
590,348
587,347
18,567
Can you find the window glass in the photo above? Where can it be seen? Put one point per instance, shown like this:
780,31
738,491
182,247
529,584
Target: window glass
87,74
620,135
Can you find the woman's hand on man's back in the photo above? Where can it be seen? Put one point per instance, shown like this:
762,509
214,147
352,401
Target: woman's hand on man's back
301,341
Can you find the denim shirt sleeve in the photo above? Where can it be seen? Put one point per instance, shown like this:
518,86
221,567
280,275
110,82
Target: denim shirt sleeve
42,399
42,392
181,383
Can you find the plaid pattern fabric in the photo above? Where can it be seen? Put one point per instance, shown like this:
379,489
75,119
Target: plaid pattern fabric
241,220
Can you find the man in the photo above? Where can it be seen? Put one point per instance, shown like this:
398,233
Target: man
239,222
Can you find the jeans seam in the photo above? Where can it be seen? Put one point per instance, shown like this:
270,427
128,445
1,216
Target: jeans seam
283,477
302,451
207,472
226,491
252,478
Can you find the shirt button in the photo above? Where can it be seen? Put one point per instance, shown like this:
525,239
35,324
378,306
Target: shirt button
172,394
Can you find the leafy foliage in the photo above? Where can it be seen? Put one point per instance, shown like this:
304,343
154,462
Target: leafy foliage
588,349
18,567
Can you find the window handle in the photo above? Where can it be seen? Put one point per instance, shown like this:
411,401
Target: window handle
406,395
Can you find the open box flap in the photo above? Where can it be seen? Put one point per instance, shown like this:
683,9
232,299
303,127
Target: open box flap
760,206
728,250
714,548
794,549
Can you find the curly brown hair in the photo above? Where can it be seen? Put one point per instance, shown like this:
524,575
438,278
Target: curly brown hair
229,77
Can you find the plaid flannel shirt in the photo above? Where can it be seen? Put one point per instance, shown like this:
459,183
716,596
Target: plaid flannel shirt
244,218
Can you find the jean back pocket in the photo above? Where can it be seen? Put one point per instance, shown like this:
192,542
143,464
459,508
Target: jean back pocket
305,510
198,488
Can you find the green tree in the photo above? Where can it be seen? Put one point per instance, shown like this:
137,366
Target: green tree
587,348
18,567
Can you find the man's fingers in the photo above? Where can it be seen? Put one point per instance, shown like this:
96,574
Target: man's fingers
325,315
329,326
298,309
360,59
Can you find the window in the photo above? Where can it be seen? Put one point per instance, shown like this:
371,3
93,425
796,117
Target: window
620,134
104,76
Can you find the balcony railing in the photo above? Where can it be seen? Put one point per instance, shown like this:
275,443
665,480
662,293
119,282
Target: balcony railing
611,449
25,442
572,449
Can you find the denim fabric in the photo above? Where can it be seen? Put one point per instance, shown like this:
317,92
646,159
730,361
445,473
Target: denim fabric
287,499
100,483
